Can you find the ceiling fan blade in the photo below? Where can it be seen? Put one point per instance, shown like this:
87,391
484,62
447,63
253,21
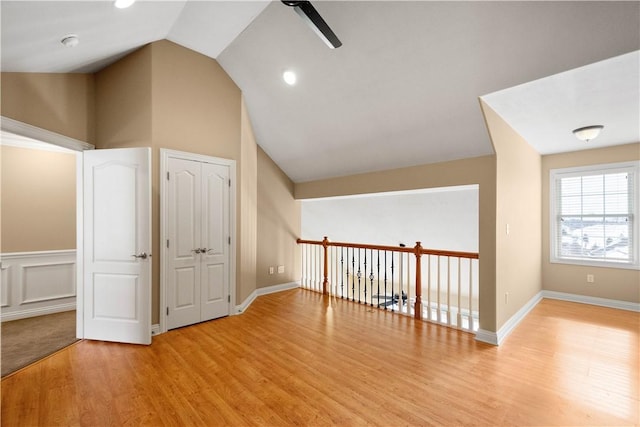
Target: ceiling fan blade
311,16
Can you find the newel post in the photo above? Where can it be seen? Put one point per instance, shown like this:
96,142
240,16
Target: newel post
418,305
325,282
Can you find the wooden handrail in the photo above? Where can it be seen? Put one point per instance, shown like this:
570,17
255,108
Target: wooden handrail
417,250
423,251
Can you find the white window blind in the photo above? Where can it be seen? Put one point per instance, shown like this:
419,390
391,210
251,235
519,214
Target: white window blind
594,215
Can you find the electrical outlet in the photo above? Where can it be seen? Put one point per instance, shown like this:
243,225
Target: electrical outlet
591,278
281,269
271,270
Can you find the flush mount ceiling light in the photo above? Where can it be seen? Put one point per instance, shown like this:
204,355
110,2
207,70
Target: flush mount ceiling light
289,77
123,4
587,133
70,40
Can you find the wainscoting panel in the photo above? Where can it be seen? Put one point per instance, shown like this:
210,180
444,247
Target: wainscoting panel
4,285
37,283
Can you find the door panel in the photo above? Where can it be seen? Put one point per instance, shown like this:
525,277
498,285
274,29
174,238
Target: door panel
114,211
186,211
117,227
215,217
185,289
184,205
118,292
215,229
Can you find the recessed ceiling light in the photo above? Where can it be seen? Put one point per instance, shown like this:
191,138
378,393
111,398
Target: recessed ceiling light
70,40
289,77
123,4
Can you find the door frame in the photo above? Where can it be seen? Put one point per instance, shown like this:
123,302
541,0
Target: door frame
24,129
165,155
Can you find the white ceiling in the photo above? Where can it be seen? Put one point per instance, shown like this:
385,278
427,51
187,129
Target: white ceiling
402,90
545,111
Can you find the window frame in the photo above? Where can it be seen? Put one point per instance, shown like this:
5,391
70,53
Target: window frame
632,167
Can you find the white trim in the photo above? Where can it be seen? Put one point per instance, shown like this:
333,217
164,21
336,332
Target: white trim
44,135
32,312
487,337
155,329
27,289
246,303
264,291
584,299
633,167
8,139
277,288
497,338
165,155
37,254
80,246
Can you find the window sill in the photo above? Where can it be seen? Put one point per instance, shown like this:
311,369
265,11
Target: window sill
599,264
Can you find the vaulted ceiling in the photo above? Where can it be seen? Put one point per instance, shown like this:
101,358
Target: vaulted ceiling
403,89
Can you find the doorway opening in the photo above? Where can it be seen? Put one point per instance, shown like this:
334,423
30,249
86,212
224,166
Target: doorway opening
38,284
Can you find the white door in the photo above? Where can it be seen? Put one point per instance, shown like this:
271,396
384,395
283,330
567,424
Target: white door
198,261
215,241
117,244
184,207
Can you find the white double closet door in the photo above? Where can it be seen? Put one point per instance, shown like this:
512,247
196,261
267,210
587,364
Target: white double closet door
198,244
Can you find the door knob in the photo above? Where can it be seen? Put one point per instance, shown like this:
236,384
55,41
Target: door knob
143,255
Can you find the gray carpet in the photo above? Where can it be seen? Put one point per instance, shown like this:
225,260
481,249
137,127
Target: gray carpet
25,341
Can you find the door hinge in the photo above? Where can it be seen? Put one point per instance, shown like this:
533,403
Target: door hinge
167,243
167,176
228,298
229,183
229,239
167,311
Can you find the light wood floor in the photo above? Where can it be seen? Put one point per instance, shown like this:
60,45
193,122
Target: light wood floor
296,358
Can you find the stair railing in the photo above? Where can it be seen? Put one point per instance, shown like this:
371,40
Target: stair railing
396,278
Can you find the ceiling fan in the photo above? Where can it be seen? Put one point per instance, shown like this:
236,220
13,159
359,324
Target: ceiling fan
311,16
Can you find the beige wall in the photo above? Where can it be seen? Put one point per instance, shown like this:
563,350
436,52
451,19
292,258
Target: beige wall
278,225
61,103
518,195
38,191
248,201
479,170
123,102
611,283
166,96
195,108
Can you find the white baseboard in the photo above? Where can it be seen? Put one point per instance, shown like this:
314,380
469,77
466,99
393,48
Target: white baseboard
277,288
155,329
264,291
33,312
583,299
246,303
496,338
487,337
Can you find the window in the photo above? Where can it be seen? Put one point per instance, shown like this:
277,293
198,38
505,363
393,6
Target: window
594,215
